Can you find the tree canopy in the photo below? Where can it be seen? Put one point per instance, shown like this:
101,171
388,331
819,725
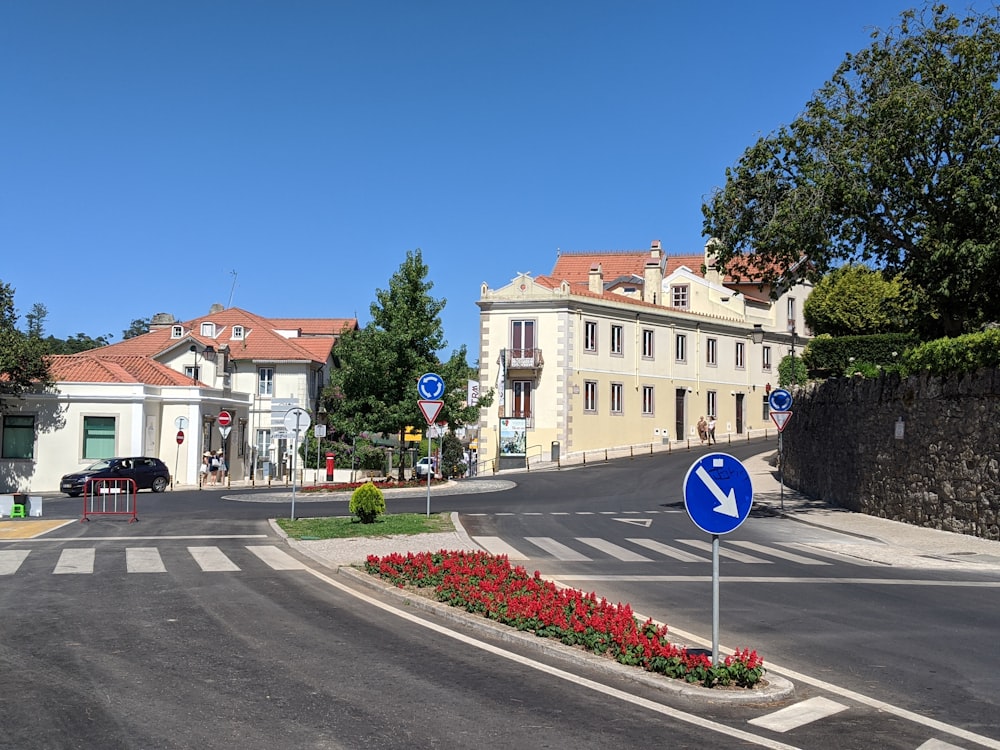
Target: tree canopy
855,300
22,362
374,388
894,162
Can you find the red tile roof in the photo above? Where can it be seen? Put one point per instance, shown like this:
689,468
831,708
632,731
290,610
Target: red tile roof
88,367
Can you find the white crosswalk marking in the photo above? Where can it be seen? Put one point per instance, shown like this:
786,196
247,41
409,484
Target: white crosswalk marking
619,553
212,559
11,559
790,556
938,745
497,546
812,550
76,561
557,550
723,552
799,714
669,551
143,560
276,558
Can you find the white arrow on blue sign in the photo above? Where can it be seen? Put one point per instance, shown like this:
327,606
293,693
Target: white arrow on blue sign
718,493
430,386
780,400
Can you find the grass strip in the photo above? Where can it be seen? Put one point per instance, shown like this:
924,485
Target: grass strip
344,527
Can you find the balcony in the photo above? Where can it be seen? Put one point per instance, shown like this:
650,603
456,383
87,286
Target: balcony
523,360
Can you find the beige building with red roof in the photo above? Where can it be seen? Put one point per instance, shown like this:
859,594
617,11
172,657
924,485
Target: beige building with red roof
623,348
134,397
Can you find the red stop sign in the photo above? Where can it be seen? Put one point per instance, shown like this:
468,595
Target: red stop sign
180,436
225,419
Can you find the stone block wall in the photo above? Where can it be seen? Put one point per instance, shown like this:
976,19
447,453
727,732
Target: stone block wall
924,450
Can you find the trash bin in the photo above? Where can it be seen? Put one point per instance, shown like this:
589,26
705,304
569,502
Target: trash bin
555,450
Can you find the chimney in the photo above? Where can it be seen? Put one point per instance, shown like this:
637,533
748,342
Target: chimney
655,249
161,320
595,282
652,277
712,274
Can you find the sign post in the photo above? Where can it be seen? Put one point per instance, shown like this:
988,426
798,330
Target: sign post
296,421
718,495
780,402
430,386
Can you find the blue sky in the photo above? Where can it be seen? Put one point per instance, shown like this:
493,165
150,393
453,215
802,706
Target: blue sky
150,149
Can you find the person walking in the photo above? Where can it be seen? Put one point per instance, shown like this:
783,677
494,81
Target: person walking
213,468
221,474
203,469
702,430
711,430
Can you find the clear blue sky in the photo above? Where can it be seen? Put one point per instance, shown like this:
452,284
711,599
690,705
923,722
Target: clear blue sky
150,149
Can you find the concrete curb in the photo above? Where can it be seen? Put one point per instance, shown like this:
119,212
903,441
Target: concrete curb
777,689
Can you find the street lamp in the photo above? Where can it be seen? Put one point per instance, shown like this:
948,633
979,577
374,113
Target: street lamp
795,370
207,353
757,335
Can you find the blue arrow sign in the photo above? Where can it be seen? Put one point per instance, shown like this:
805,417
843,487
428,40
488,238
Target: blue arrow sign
718,493
780,400
430,386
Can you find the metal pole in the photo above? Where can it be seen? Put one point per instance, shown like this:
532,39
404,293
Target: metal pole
715,600
430,467
781,470
295,444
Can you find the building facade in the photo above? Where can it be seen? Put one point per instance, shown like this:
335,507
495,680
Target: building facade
160,394
628,348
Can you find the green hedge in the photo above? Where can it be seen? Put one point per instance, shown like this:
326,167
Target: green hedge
961,354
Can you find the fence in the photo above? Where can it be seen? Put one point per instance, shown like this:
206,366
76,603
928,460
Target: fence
106,497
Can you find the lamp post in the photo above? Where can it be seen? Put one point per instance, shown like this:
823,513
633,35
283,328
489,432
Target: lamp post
795,370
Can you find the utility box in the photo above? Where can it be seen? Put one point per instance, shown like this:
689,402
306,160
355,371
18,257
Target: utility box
555,450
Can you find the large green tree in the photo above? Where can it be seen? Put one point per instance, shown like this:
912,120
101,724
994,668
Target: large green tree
895,161
22,362
374,386
855,300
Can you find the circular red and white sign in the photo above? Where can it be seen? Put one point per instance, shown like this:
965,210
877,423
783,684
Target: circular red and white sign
225,419
180,436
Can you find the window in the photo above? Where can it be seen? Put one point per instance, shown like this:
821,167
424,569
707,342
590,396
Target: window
712,404
765,409
765,361
18,436
263,445
522,399
616,339
741,353
192,372
590,395
265,381
208,329
176,332
791,313
617,389
590,336
679,295
522,338
647,400
681,347
237,332
647,343
712,352
98,437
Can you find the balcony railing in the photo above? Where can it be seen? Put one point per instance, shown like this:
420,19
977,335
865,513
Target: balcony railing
524,359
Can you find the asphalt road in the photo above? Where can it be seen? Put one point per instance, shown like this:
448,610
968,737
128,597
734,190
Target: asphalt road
155,640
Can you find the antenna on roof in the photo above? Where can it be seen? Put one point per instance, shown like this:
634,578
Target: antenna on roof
233,289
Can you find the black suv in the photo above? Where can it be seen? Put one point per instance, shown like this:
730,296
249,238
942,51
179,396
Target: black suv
148,473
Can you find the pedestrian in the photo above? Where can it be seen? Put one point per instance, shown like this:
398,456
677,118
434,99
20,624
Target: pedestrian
213,469
711,430
702,430
203,469
222,467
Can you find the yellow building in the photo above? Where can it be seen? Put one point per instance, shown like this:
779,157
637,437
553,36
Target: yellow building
628,348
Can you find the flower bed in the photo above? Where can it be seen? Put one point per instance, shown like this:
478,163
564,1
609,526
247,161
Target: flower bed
488,585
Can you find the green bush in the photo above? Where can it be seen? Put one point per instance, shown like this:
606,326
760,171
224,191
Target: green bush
367,502
826,355
957,355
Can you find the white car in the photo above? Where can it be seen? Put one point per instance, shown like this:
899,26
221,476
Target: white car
425,465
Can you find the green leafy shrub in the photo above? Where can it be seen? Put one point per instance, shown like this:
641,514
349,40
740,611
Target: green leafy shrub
957,355
827,355
367,503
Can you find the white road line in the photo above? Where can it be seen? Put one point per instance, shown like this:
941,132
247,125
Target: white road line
619,553
669,551
557,550
791,556
938,745
804,712
838,556
723,552
11,559
64,540
143,560
76,561
212,559
497,546
677,715
276,558
777,579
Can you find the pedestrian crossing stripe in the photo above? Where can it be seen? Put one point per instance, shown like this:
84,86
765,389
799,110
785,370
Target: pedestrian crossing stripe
139,560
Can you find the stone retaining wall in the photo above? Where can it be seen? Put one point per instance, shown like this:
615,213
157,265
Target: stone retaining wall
924,450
